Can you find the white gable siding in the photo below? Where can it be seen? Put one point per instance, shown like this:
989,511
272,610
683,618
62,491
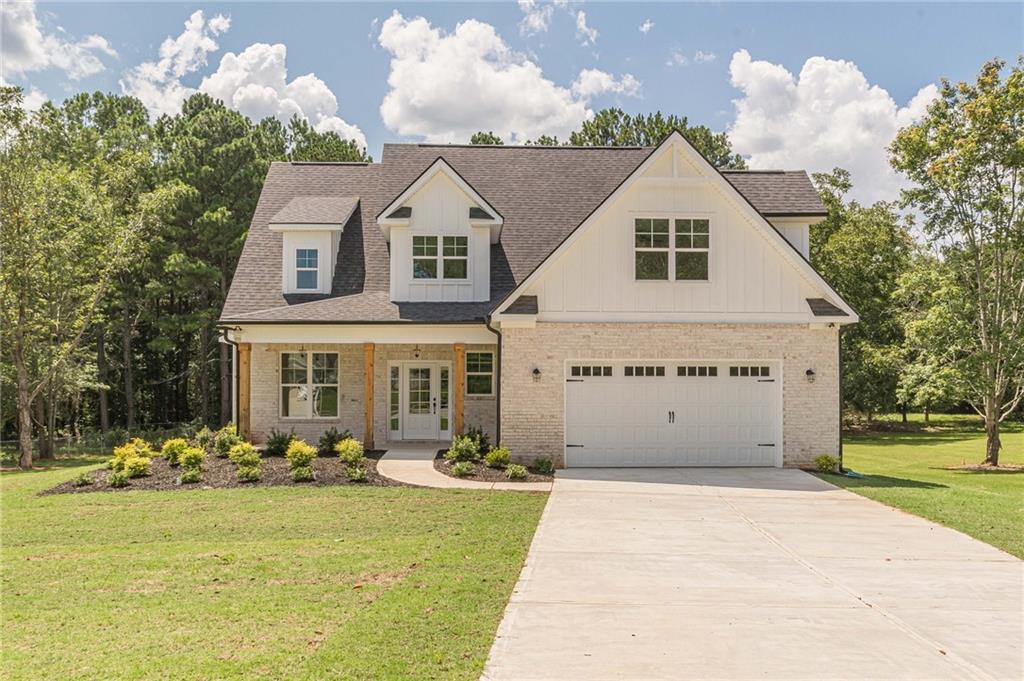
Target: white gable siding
749,279
440,208
797,232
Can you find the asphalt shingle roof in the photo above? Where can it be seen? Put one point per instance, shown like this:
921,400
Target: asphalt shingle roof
820,307
543,194
316,210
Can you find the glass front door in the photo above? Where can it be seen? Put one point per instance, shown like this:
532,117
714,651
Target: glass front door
421,416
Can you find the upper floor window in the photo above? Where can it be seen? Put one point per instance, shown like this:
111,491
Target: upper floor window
306,268
452,261
681,255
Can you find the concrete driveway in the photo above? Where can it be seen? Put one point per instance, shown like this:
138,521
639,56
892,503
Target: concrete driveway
752,573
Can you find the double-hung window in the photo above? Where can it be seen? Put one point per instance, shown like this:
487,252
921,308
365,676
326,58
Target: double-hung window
309,384
456,257
306,267
681,254
451,261
479,373
424,257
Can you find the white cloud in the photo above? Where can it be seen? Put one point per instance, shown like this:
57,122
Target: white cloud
677,58
586,34
158,84
444,87
536,17
828,116
34,99
255,83
25,47
702,57
646,26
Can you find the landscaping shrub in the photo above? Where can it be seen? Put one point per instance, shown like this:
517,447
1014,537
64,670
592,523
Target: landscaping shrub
249,473
544,466
204,438
243,451
134,448
192,458
350,451
330,439
83,480
356,473
499,457
827,464
515,471
190,475
117,479
462,468
136,467
464,448
300,454
483,442
303,473
225,439
172,449
278,441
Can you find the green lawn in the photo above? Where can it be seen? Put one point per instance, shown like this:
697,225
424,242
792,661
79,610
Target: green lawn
364,583
907,470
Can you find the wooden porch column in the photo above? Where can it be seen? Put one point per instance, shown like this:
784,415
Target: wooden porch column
368,395
459,350
244,362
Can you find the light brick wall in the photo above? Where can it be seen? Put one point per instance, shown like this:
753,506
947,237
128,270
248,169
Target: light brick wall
266,398
532,411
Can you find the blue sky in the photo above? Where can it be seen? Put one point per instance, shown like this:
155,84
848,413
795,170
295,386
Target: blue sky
816,85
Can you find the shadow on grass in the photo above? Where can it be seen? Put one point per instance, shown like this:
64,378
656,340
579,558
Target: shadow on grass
56,464
882,481
979,470
915,439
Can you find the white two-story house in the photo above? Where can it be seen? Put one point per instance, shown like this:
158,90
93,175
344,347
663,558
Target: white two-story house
595,306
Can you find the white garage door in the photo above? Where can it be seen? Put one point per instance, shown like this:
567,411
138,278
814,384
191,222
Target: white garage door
679,413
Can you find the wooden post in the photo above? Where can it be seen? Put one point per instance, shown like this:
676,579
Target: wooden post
244,362
368,395
459,351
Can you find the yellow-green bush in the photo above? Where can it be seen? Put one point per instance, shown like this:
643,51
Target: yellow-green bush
136,467
136,447
300,454
192,458
499,457
243,452
172,449
350,451
515,471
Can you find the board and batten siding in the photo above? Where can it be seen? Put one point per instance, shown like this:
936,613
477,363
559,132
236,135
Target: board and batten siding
748,276
440,208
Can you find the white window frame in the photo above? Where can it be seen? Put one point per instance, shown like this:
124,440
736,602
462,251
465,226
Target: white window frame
672,248
464,258
436,257
309,385
479,373
677,249
440,258
315,270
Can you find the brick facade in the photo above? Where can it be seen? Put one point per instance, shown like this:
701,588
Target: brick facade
532,410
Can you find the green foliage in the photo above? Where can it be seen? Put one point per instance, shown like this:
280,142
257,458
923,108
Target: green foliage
826,463
303,473
136,467
483,441
172,450
544,141
278,441
330,439
515,471
204,438
134,448
356,473
117,479
249,473
463,448
499,457
304,143
225,439
192,458
350,451
244,455
461,469
190,475
544,466
486,138
300,454
83,479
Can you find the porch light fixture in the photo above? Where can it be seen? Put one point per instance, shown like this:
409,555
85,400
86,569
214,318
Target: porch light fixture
810,375
536,374
416,352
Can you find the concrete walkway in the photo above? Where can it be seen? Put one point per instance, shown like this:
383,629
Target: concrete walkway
743,574
413,464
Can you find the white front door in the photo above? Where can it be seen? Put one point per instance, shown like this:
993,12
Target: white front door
420,420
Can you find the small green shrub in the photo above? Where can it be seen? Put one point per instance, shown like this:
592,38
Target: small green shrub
460,469
350,451
192,458
464,448
278,441
83,480
300,455
134,448
225,439
499,457
483,442
242,451
136,467
515,471
330,439
544,466
303,473
356,473
827,464
117,479
249,473
204,438
190,475
172,450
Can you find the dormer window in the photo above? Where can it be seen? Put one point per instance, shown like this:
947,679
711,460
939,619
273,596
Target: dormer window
452,260
424,257
306,268
456,257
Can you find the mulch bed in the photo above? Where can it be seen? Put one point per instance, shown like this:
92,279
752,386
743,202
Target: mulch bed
484,474
219,473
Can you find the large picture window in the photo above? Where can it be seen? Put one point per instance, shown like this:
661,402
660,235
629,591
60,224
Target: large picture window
479,373
309,385
680,255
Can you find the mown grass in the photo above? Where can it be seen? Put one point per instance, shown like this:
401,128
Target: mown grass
351,583
910,470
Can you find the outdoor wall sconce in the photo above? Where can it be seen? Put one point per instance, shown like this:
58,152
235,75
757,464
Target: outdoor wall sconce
416,352
810,375
536,374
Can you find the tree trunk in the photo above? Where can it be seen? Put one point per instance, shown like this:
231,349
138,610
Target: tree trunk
225,384
40,405
102,372
992,442
24,394
903,411
129,375
926,411
204,374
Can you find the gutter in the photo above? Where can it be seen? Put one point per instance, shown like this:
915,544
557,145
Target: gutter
497,387
225,338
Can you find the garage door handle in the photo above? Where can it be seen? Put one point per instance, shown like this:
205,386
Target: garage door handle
574,380
766,380
770,444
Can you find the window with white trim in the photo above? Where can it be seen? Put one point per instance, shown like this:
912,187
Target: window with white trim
455,257
651,248
693,248
309,385
306,269
424,257
450,261
681,253
479,373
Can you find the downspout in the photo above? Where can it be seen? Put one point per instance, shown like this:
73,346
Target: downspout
839,359
226,338
497,387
